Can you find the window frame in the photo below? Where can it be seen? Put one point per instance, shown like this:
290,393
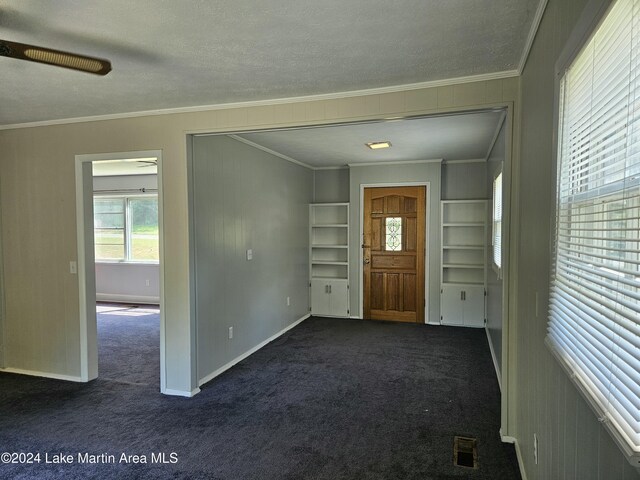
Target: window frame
127,260
588,24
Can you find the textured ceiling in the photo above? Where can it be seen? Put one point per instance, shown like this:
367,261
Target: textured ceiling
172,54
452,137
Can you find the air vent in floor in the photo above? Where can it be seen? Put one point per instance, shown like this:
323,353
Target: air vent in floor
465,452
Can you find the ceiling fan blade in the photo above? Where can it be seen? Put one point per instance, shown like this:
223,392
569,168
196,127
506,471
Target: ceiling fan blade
32,53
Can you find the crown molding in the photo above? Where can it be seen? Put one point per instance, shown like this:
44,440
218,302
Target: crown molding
271,152
533,31
276,101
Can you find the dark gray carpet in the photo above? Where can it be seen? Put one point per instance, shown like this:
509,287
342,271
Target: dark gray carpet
331,399
129,344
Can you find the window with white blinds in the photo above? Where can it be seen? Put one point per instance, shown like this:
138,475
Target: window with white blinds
594,316
497,220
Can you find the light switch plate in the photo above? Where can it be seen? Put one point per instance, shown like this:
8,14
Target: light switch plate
249,254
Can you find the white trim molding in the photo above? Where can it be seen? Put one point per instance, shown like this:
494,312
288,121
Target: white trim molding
35,373
533,31
181,393
276,101
268,150
494,358
239,358
117,298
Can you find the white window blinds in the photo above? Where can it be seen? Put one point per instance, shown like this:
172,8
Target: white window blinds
594,318
497,220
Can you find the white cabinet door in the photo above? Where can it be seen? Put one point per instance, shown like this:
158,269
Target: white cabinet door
330,297
338,298
462,305
473,306
320,304
451,309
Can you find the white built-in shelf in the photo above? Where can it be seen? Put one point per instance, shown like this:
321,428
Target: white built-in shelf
462,284
462,265
463,224
463,261
329,258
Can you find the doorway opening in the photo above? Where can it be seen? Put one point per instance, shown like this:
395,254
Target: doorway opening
120,266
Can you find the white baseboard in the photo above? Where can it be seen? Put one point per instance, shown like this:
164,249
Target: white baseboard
109,297
180,393
514,440
34,373
495,362
227,366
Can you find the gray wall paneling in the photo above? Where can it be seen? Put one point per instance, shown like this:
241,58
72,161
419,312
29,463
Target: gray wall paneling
244,198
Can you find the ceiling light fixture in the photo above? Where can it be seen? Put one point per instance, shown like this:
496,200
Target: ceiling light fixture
377,145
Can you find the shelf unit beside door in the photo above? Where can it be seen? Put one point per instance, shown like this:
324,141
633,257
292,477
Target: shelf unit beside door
329,259
463,262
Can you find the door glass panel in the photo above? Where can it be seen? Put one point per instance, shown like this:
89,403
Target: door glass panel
393,234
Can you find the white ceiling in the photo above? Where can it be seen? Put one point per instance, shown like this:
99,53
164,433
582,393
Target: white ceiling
451,137
137,166
173,54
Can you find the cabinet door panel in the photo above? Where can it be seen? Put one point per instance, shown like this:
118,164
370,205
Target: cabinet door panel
474,306
451,306
339,298
319,298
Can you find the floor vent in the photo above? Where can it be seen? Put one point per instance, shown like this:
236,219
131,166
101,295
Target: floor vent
465,452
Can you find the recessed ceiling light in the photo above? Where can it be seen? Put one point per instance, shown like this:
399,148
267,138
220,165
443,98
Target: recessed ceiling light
376,145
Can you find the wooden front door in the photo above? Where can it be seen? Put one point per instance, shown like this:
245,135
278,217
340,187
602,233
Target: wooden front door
394,253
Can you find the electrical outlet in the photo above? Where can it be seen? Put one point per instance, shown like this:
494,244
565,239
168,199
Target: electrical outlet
230,332
250,254
288,301
73,267
535,448
147,282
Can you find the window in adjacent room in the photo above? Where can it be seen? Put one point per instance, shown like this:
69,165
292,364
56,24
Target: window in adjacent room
497,222
126,228
594,320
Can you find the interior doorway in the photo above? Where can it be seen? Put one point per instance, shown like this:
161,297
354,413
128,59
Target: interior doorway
394,253
120,239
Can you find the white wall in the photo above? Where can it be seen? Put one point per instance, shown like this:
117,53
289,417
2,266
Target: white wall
244,198
572,443
415,172
127,282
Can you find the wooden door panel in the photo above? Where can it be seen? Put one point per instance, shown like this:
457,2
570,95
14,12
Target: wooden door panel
377,239
377,291
393,291
377,205
393,253
410,205
402,262
411,237
393,204
409,292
